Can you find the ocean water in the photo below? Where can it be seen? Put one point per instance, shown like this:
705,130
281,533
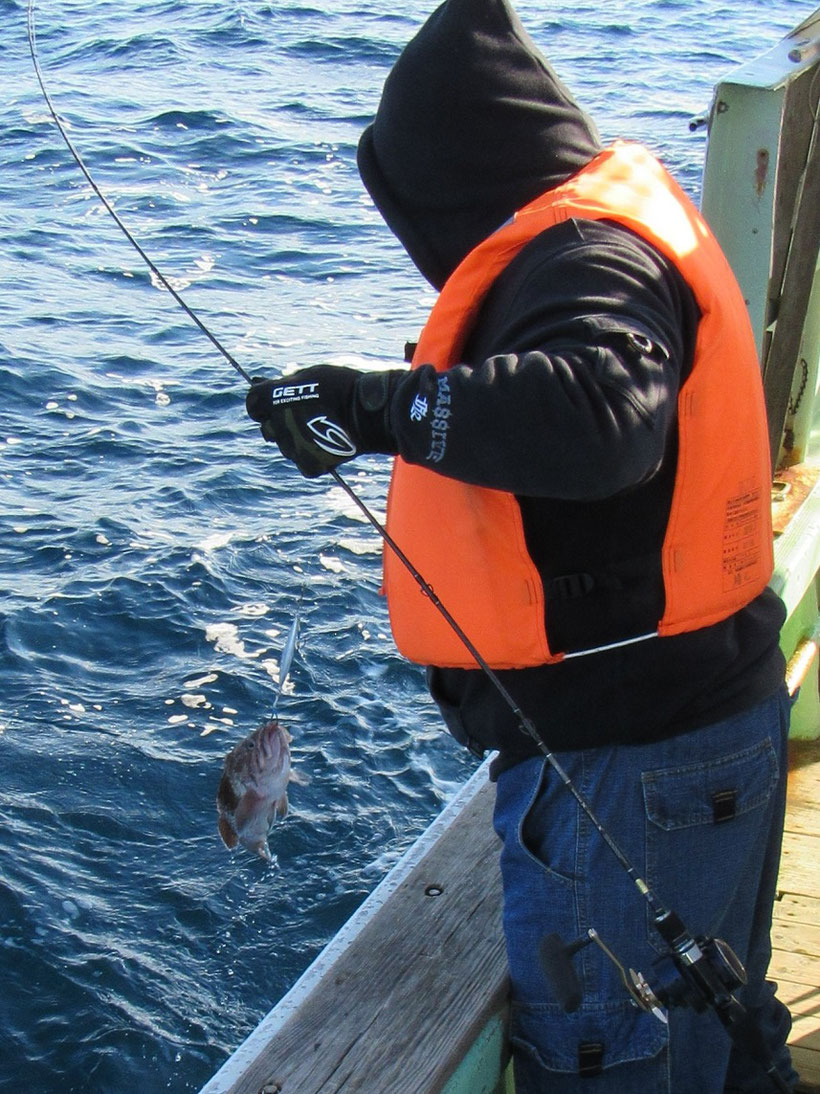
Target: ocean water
153,550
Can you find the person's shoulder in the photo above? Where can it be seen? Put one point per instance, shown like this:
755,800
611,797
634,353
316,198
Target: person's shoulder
578,237
601,258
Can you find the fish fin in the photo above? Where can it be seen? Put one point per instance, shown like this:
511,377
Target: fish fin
281,806
226,796
229,837
299,777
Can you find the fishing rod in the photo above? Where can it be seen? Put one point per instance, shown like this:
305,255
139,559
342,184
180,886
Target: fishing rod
525,723
703,972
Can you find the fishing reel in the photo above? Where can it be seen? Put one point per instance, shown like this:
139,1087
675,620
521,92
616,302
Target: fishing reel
672,986
702,973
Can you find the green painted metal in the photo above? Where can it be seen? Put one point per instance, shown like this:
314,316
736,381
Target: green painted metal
751,136
742,160
797,553
805,723
738,186
803,418
482,1071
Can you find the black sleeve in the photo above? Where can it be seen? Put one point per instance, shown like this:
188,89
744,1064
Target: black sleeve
570,379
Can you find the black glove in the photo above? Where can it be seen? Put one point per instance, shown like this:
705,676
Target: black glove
324,415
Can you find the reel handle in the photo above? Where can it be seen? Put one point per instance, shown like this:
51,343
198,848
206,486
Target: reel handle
556,961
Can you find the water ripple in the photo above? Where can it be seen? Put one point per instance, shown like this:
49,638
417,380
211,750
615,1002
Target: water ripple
153,550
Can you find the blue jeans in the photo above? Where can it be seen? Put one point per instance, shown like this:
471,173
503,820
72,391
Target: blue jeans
700,817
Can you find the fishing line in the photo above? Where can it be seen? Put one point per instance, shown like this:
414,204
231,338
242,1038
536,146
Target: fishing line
526,724
425,587
707,969
32,45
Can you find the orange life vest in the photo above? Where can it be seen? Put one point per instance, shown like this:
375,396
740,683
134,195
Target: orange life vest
468,541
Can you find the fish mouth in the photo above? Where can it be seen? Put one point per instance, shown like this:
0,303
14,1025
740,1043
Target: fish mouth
268,735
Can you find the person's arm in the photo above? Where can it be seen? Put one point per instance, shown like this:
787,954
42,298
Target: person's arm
579,349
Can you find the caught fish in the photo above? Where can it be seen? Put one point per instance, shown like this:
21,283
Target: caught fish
253,788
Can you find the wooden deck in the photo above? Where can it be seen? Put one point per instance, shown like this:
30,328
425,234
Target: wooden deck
796,933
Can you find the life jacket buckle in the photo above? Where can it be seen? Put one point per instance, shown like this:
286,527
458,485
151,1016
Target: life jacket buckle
571,586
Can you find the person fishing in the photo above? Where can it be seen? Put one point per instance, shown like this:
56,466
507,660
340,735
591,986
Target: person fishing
582,475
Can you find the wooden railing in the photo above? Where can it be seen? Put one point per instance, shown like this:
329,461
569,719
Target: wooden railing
415,982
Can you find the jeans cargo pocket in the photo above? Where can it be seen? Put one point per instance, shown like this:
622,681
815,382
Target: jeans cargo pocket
615,1042
705,823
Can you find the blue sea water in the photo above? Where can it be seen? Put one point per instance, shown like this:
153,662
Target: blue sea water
153,550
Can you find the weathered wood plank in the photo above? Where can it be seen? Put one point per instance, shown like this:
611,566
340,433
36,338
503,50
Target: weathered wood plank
806,1035
796,909
795,964
802,818
795,969
803,1000
415,988
798,864
804,788
807,1064
804,794
804,773
796,938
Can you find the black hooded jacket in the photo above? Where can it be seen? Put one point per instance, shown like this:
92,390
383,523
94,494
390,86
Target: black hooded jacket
566,396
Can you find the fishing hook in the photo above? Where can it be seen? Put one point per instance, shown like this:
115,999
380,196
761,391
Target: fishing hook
707,970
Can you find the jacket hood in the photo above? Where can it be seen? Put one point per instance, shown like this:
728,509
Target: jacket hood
473,123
